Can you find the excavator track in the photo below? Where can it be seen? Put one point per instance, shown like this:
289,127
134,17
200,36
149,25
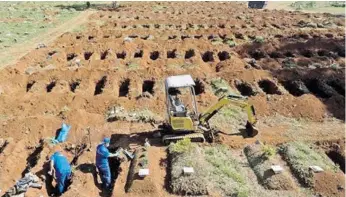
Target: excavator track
195,137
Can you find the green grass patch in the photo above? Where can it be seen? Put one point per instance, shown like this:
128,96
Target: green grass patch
22,21
216,171
259,39
335,7
216,41
301,155
181,146
132,66
230,42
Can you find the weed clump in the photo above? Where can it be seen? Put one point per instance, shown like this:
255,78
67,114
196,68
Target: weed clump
268,151
181,146
220,87
259,39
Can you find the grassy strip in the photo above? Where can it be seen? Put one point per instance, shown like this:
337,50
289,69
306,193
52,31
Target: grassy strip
22,21
215,170
300,156
261,158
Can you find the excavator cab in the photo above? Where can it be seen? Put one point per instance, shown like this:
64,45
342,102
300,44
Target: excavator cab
181,103
183,120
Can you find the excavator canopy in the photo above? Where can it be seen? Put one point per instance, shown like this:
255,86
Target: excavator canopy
179,81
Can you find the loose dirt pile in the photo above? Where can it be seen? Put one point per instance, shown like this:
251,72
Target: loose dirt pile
330,184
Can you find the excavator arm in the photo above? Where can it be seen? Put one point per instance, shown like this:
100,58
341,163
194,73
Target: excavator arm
235,100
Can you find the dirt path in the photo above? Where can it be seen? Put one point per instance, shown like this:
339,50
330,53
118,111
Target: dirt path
21,49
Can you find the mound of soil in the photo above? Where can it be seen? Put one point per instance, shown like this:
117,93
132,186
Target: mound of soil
330,184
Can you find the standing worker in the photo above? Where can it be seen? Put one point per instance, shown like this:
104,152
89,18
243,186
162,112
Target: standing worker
62,168
102,164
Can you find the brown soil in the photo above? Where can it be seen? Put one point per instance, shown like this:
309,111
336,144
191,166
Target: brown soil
330,184
36,92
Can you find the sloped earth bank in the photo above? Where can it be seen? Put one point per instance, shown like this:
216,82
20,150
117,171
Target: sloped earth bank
122,57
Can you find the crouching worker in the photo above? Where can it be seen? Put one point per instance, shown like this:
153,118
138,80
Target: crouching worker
102,154
62,171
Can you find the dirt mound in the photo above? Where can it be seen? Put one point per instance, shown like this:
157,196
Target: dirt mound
330,184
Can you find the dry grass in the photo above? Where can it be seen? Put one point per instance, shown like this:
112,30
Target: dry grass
261,162
301,155
215,171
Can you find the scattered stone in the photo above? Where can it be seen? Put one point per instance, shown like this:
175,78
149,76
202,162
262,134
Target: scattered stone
146,95
30,70
41,45
311,25
78,62
127,39
146,144
320,25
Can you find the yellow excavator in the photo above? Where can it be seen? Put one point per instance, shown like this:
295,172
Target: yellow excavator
185,122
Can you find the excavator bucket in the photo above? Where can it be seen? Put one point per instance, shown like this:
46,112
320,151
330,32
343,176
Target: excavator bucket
251,130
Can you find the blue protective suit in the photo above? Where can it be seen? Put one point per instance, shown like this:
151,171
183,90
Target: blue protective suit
102,164
62,171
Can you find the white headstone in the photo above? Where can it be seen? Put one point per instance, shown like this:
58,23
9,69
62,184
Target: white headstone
277,169
143,172
316,168
188,170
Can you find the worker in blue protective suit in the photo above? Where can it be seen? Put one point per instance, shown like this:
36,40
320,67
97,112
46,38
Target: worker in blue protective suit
62,168
102,154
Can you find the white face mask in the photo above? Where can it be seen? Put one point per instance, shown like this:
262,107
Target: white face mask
106,144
